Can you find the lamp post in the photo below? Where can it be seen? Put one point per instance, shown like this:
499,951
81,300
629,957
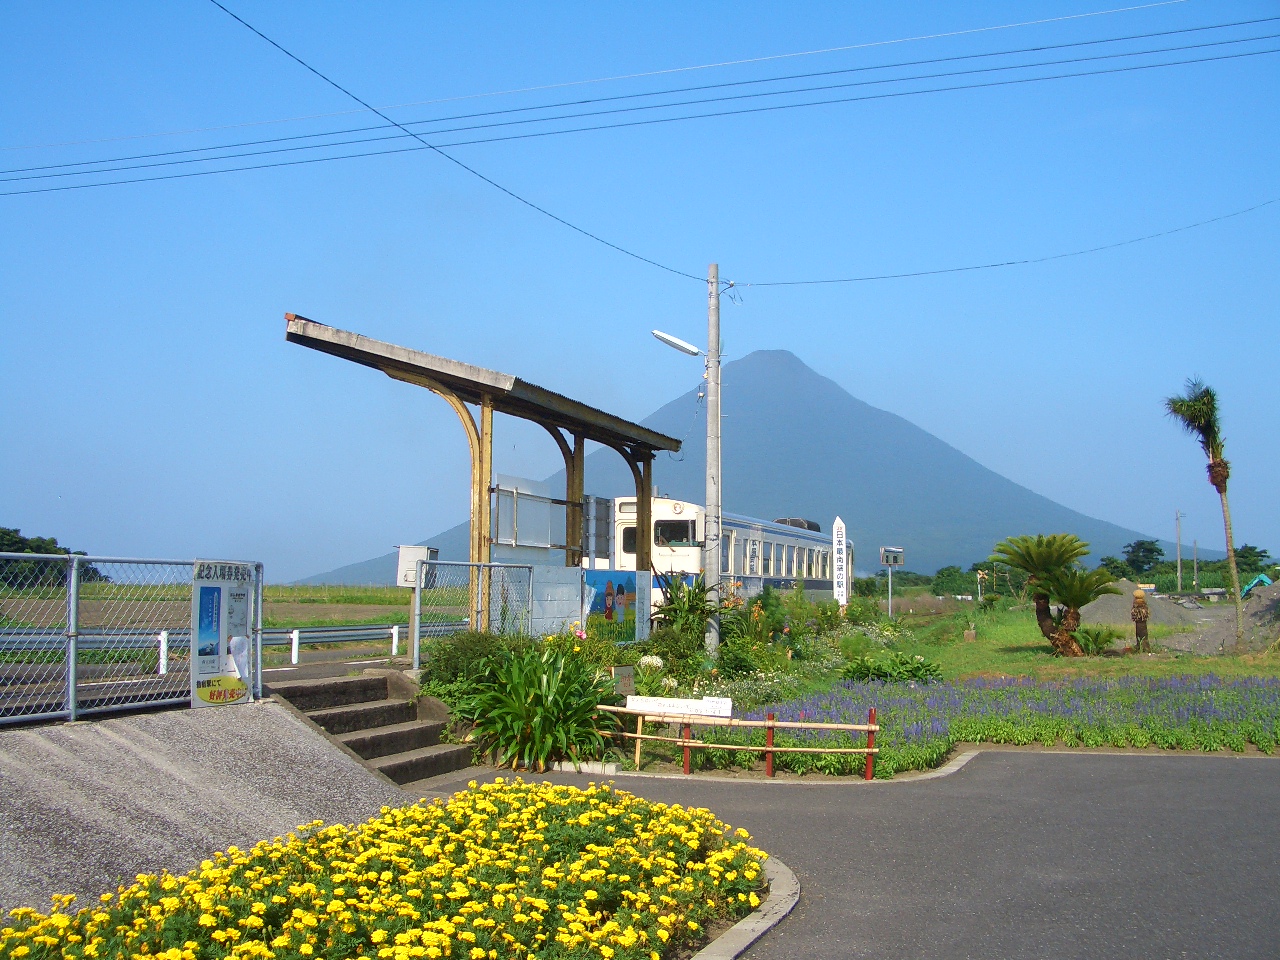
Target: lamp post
712,520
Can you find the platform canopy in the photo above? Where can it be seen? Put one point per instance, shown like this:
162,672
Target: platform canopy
471,384
462,383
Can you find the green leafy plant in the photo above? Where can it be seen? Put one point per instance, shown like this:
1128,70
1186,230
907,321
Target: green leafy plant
686,607
1095,641
535,708
895,667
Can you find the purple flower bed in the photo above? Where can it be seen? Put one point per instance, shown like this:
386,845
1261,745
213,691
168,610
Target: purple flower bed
921,723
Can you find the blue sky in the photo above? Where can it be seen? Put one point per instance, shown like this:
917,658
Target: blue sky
152,406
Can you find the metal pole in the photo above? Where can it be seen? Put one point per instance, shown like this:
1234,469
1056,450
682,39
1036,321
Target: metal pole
415,624
891,593
259,587
73,633
1195,565
1177,516
712,520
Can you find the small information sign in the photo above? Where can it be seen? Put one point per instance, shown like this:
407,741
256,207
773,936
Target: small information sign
624,680
706,707
221,600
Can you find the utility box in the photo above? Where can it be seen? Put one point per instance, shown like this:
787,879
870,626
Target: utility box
407,568
892,556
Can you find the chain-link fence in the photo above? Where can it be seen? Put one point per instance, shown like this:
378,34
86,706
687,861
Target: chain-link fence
82,635
453,596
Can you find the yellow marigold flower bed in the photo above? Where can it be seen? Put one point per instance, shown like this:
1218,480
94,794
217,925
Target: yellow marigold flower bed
508,869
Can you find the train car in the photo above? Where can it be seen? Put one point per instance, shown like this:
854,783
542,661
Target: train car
755,552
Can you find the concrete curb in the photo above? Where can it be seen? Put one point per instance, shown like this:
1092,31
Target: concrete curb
784,893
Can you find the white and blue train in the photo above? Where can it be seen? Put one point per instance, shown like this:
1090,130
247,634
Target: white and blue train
754,552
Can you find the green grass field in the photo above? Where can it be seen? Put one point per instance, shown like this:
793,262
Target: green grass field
1009,643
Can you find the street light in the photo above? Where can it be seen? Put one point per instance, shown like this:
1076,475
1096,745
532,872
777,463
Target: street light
713,519
676,342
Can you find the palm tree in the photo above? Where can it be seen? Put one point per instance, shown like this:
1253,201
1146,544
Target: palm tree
1074,588
1038,557
1197,412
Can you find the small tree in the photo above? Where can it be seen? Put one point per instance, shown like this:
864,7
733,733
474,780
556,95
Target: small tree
1074,588
1116,567
1142,555
1038,557
1196,411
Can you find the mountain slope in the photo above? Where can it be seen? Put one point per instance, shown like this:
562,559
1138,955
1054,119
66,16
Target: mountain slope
797,444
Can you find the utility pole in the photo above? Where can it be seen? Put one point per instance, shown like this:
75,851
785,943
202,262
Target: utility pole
1195,565
1177,516
712,520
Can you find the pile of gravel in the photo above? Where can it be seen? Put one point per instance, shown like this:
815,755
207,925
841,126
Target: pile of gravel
1115,610
1261,621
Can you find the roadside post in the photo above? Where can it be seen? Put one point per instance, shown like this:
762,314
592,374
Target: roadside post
410,566
891,557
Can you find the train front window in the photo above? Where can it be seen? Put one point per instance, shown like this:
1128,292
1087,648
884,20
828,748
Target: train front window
629,540
673,533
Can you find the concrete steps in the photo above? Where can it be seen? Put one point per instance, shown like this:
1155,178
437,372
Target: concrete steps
380,718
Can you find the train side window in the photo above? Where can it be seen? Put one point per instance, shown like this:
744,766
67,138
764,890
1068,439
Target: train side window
674,533
791,562
766,560
826,567
629,540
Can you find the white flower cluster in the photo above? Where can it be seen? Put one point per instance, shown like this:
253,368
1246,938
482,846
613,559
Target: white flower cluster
650,662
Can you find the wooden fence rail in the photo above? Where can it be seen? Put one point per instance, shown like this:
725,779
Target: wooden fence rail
688,721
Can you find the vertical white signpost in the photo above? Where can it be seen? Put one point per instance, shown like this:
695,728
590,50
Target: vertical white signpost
221,605
839,565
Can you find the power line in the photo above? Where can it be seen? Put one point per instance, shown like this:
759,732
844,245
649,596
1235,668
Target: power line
716,86
626,124
471,170
631,76
1015,263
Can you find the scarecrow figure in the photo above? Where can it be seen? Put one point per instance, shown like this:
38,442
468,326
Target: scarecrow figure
1140,613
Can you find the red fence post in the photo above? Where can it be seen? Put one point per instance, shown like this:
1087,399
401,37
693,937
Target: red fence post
768,743
870,770
688,735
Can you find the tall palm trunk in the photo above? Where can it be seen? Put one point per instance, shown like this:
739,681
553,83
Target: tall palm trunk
1231,565
1043,617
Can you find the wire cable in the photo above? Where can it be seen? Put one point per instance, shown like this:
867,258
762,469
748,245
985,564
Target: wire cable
648,94
471,170
638,123
631,76
1015,263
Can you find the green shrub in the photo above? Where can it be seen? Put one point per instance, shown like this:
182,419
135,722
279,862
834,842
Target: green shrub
537,707
682,654
1096,640
893,667
861,610
463,655
685,608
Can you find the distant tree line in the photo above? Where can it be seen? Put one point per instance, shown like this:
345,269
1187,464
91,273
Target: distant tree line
26,574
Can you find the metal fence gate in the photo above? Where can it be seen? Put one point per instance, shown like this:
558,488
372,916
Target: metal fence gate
85,635
452,596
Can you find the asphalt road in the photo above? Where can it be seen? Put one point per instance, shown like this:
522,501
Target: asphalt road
1021,855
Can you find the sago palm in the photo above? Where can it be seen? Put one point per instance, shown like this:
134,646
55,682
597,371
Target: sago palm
1074,588
1196,411
1038,557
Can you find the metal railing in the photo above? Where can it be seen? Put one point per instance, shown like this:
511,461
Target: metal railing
85,635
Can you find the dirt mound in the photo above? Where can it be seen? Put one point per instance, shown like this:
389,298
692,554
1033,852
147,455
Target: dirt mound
1261,621
1115,610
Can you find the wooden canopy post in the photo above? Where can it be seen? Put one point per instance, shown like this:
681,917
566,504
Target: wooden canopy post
574,491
